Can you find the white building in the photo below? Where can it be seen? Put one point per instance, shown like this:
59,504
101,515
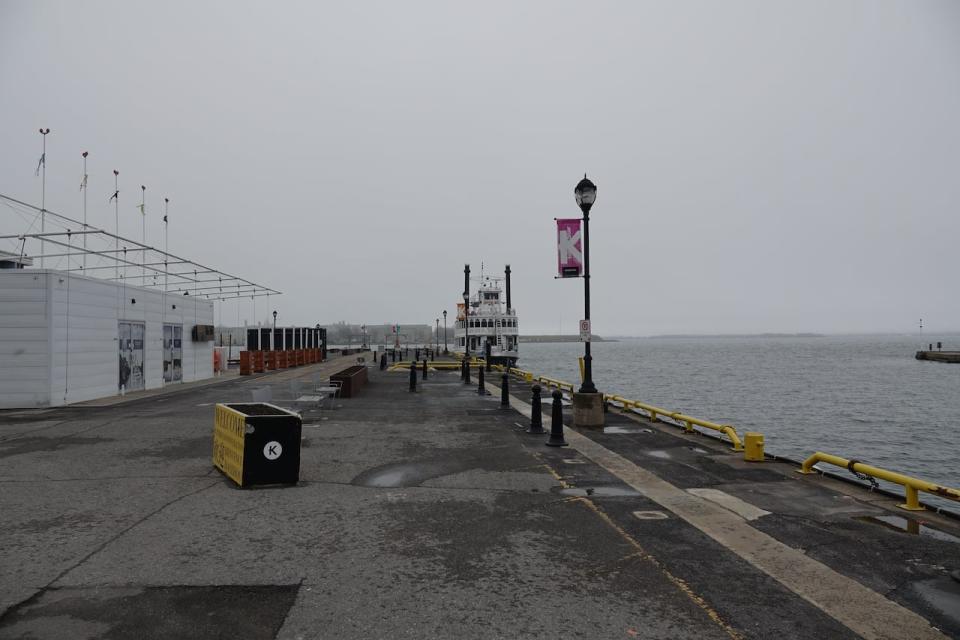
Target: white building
66,338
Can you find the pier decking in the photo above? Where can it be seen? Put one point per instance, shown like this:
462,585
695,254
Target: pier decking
433,514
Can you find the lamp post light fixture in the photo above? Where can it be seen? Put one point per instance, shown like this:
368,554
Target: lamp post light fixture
444,332
585,194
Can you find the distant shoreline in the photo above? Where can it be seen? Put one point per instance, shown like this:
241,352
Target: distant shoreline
740,335
561,338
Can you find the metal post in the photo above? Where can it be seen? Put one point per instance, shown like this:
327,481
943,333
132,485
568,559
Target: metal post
444,332
504,391
424,368
536,412
486,356
587,386
413,376
436,336
43,198
466,372
481,384
556,421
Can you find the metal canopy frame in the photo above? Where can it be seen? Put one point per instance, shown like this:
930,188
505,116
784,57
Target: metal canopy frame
179,275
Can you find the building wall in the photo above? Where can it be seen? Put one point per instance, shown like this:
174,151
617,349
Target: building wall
67,326
24,339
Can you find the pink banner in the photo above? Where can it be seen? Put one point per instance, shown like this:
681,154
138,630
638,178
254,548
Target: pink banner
569,248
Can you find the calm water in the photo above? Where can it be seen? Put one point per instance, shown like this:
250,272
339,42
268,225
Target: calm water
863,397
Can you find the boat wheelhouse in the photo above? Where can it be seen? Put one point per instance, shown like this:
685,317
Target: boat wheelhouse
489,323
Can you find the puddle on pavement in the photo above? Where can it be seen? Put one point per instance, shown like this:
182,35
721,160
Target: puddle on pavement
407,474
911,526
599,492
943,595
621,429
663,455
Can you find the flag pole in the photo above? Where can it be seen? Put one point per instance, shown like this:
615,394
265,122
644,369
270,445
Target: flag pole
43,197
143,252
116,214
83,187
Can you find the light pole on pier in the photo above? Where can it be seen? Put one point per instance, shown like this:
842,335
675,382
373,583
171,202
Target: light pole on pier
585,194
273,336
436,335
444,332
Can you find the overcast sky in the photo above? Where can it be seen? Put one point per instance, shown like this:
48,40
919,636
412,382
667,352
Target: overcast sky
762,166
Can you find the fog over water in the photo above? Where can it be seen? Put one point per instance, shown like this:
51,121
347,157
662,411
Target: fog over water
762,166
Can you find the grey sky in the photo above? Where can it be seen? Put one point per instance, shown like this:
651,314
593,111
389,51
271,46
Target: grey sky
762,166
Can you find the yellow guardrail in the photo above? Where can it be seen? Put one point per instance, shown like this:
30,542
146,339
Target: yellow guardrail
652,411
688,421
912,486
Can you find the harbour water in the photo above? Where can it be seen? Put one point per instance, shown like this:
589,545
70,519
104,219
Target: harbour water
862,397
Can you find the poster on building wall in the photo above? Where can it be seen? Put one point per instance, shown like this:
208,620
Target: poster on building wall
569,248
461,314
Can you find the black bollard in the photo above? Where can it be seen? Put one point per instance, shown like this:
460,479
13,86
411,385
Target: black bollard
383,361
424,368
556,421
486,356
432,354
504,391
536,412
416,354
466,380
393,356
481,386
413,376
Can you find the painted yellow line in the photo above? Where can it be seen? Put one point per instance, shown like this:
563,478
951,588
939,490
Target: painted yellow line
857,607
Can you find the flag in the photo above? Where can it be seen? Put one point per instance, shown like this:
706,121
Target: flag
143,209
164,219
569,248
83,183
114,196
42,163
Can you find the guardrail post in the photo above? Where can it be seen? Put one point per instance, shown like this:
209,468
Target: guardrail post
653,416
913,499
504,390
466,371
556,421
413,376
383,361
424,368
536,412
481,387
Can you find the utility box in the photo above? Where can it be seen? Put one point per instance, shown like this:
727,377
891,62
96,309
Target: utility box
753,446
257,443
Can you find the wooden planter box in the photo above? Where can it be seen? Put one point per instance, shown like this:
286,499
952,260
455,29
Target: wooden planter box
351,380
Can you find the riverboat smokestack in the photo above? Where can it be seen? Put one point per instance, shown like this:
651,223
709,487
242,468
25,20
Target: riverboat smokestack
507,272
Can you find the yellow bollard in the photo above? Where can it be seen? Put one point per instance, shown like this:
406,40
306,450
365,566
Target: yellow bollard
753,446
582,371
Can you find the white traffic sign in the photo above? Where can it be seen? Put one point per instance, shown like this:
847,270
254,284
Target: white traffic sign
584,331
272,450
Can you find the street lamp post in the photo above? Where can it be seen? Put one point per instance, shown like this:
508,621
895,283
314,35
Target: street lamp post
466,337
444,332
585,194
273,337
436,337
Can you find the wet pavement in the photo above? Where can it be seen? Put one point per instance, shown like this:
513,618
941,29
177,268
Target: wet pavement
427,514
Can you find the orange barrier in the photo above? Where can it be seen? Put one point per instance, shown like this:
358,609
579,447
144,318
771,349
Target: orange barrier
300,357
244,363
271,362
258,361
281,359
